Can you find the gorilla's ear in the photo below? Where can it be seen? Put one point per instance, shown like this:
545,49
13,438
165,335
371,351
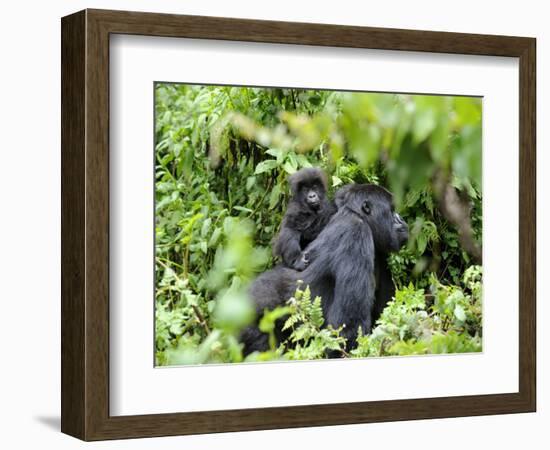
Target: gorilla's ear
342,195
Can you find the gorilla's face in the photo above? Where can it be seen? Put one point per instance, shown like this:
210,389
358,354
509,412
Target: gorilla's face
389,230
309,187
375,206
312,194
401,231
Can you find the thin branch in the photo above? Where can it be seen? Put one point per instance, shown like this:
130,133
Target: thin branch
201,318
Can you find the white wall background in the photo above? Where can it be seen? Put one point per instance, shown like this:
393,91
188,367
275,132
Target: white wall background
30,229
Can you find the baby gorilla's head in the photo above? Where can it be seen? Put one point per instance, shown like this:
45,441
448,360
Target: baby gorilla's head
309,187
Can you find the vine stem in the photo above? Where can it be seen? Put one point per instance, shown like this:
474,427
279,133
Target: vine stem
168,261
268,188
202,321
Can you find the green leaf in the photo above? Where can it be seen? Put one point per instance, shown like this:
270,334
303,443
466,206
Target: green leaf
278,153
303,161
336,181
274,196
421,242
267,322
266,166
289,168
215,237
206,227
315,100
234,310
242,208
250,182
292,161
459,313
424,124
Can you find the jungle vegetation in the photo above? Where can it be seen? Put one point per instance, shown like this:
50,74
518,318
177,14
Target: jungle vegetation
223,155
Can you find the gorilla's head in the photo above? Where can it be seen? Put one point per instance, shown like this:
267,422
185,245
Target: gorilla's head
374,205
309,187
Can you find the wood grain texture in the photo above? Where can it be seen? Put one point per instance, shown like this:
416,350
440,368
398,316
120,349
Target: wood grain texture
201,27
97,225
85,224
73,108
527,225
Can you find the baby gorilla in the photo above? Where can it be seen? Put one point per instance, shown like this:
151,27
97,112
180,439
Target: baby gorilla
348,267
307,214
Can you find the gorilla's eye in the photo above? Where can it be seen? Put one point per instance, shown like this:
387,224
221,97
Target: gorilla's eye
366,207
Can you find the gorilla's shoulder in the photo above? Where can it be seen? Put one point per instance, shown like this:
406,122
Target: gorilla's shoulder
348,219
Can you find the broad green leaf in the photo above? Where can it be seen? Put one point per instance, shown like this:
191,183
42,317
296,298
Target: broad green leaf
336,181
459,313
215,237
266,166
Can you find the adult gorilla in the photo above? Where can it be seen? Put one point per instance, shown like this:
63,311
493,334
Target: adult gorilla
345,262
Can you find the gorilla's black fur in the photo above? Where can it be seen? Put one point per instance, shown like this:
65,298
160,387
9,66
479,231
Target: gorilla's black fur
307,214
347,266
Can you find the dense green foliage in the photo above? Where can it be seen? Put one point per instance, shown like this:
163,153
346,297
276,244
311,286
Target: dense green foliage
223,155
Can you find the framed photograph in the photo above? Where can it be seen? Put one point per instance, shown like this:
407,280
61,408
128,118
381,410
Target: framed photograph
272,225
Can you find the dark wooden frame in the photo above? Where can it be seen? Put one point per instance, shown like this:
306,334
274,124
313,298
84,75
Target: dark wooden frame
85,224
